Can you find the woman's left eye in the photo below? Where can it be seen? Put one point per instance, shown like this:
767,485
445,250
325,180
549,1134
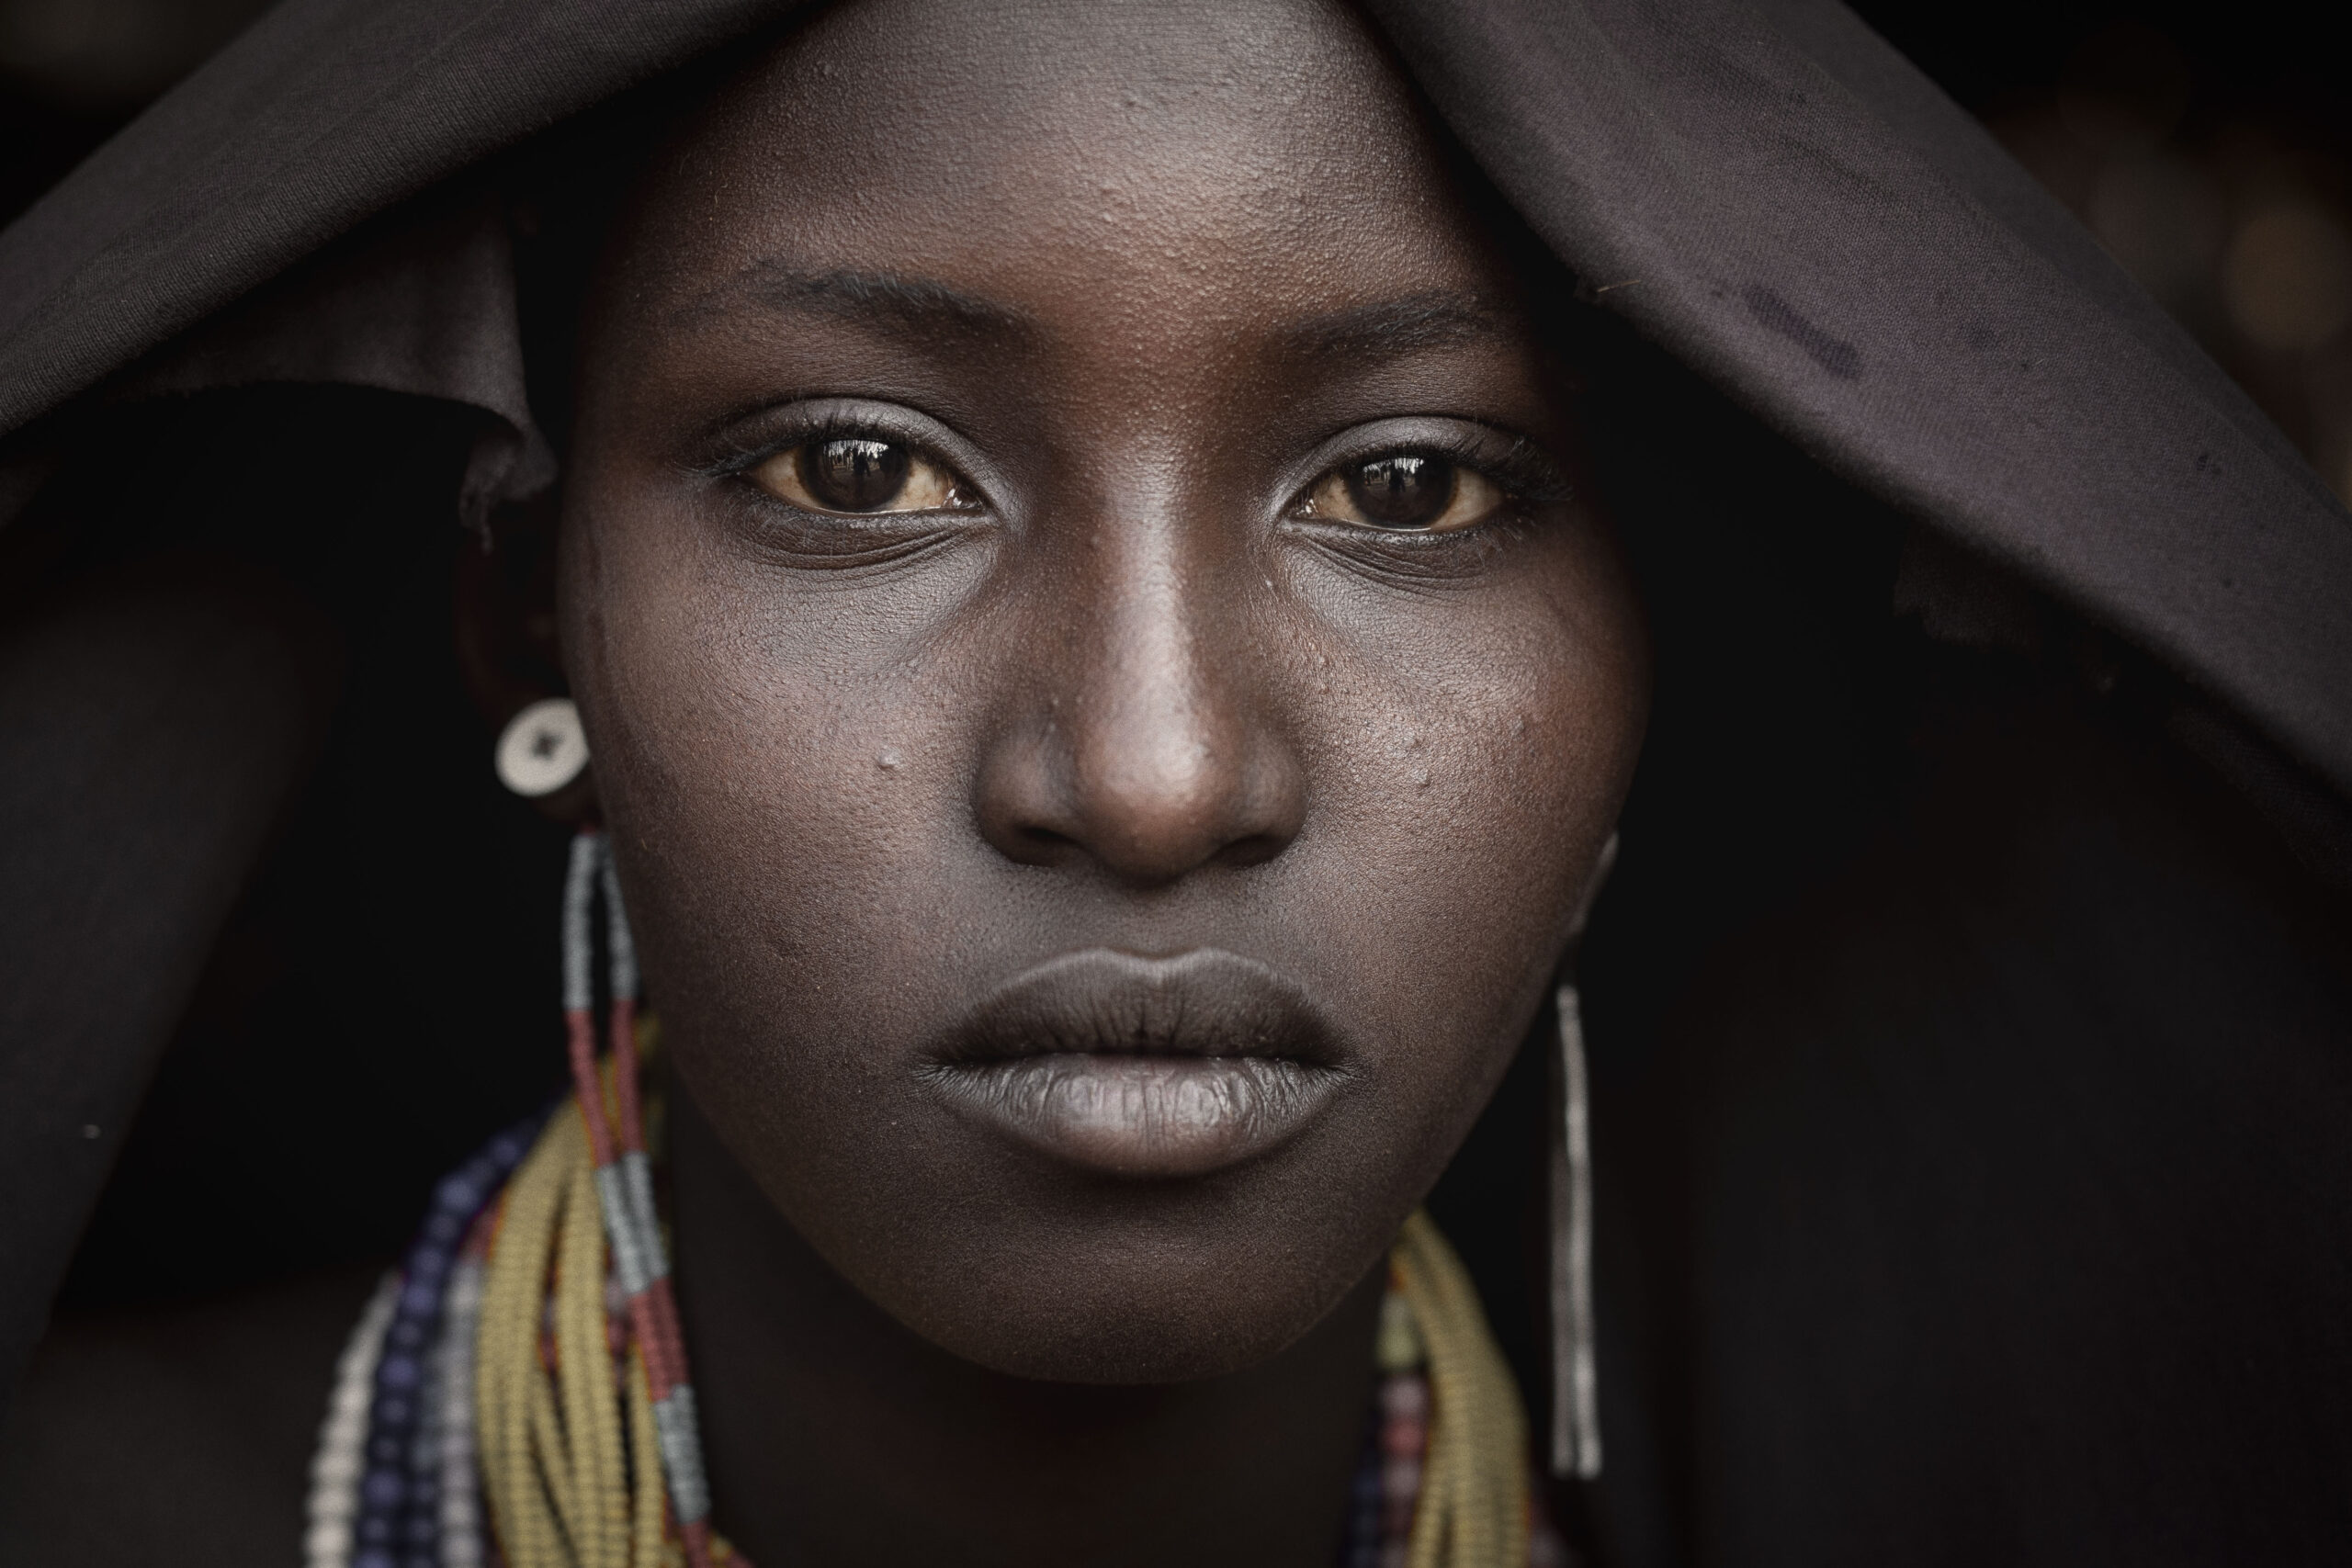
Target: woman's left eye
859,476
1406,493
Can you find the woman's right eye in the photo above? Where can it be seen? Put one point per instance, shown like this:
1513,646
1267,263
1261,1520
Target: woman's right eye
1405,492
855,476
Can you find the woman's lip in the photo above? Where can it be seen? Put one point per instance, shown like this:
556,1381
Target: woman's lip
1126,1114
1143,1066
1207,1002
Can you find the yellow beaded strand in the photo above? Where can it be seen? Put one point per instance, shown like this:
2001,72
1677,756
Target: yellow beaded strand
1473,1508
591,1415
508,1388
645,1465
572,1473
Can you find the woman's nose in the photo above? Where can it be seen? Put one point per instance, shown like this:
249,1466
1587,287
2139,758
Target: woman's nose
1143,739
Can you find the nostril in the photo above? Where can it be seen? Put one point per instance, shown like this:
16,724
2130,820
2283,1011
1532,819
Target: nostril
1035,845
1254,849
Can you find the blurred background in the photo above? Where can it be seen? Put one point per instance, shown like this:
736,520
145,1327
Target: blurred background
2208,147
2206,144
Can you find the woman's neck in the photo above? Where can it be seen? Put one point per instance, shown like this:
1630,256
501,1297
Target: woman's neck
837,1436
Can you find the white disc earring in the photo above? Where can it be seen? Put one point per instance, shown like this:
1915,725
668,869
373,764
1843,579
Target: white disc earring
542,749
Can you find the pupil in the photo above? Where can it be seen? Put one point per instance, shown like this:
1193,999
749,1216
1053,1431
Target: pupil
1409,490
854,474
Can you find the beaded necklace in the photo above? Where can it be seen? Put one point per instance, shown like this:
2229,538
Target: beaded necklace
516,1393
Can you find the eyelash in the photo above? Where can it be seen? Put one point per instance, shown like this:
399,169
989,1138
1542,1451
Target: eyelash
1525,476
741,457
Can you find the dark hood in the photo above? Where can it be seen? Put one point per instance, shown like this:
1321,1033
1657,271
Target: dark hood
1884,311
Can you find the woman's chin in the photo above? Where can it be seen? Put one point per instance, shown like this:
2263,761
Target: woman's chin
1135,1342
1131,1303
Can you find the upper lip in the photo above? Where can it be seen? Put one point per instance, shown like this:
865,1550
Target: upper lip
1206,1002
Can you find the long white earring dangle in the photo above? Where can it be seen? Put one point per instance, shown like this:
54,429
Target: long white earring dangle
1576,1383
542,749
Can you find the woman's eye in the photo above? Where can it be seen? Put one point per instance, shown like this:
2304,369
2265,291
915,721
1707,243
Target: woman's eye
1417,492
858,474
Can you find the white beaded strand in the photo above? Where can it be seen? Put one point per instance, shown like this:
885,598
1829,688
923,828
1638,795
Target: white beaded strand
1575,1405
336,1467
460,1499
1575,1372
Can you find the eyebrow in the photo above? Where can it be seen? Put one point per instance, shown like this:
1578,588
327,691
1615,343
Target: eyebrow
923,310
1411,324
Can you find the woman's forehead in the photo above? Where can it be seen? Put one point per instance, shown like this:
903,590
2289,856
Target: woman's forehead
1224,155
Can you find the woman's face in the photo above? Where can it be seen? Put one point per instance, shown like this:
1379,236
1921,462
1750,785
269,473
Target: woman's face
1106,690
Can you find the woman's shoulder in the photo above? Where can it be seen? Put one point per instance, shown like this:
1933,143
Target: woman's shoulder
179,1433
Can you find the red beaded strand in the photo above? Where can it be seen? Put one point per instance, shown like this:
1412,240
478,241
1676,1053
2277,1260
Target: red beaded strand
624,1185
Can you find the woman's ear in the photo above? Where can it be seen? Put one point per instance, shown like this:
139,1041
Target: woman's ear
510,657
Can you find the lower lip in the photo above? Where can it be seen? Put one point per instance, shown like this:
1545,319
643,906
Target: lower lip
1138,1116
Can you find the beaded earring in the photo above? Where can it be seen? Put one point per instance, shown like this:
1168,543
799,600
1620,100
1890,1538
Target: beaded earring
1575,1392
624,1178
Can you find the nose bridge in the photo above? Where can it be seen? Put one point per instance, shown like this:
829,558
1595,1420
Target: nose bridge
1155,755
1150,720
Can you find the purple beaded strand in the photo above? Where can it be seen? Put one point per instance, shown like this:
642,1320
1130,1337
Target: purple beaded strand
399,1525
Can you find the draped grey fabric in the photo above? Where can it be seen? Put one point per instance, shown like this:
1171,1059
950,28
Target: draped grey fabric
1763,190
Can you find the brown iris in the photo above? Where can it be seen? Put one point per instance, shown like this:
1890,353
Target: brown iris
857,474
1421,492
